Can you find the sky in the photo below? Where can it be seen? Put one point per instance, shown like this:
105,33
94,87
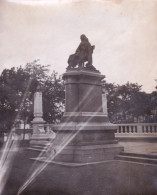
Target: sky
124,33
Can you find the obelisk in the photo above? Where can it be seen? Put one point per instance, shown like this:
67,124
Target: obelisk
38,121
39,136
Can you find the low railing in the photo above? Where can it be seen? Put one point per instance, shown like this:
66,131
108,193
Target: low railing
124,128
137,128
127,128
144,128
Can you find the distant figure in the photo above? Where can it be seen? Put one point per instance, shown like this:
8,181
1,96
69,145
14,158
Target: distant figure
83,54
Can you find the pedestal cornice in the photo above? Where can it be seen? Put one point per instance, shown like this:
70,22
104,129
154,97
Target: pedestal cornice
81,72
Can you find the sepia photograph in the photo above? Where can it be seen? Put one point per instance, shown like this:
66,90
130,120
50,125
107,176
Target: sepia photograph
78,97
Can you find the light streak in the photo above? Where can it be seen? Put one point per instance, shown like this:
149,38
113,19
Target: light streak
10,148
58,148
41,2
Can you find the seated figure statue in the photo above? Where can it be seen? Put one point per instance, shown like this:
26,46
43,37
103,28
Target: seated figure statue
83,54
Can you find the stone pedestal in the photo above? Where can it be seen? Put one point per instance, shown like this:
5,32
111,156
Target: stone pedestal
90,133
39,135
83,97
38,121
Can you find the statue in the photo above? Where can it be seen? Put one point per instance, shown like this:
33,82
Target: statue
83,54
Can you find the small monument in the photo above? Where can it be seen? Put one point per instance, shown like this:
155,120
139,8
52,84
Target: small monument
38,122
40,136
104,100
94,136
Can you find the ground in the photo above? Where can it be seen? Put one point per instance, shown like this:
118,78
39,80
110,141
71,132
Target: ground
103,178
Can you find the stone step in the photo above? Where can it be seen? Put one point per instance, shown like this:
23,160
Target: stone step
39,142
142,137
39,147
42,144
136,135
36,149
139,155
136,158
97,142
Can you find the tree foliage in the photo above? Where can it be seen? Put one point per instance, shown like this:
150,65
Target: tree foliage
18,85
127,103
17,88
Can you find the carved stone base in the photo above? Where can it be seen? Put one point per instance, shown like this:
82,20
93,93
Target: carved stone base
38,125
89,143
90,153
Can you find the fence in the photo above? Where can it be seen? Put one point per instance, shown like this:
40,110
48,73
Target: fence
142,128
137,128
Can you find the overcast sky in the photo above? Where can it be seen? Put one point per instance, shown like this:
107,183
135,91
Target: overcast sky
124,33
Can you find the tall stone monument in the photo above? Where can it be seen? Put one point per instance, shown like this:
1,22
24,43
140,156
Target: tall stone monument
39,137
104,100
38,121
94,138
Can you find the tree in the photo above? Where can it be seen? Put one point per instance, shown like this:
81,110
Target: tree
12,84
140,104
119,97
18,85
153,97
53,98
